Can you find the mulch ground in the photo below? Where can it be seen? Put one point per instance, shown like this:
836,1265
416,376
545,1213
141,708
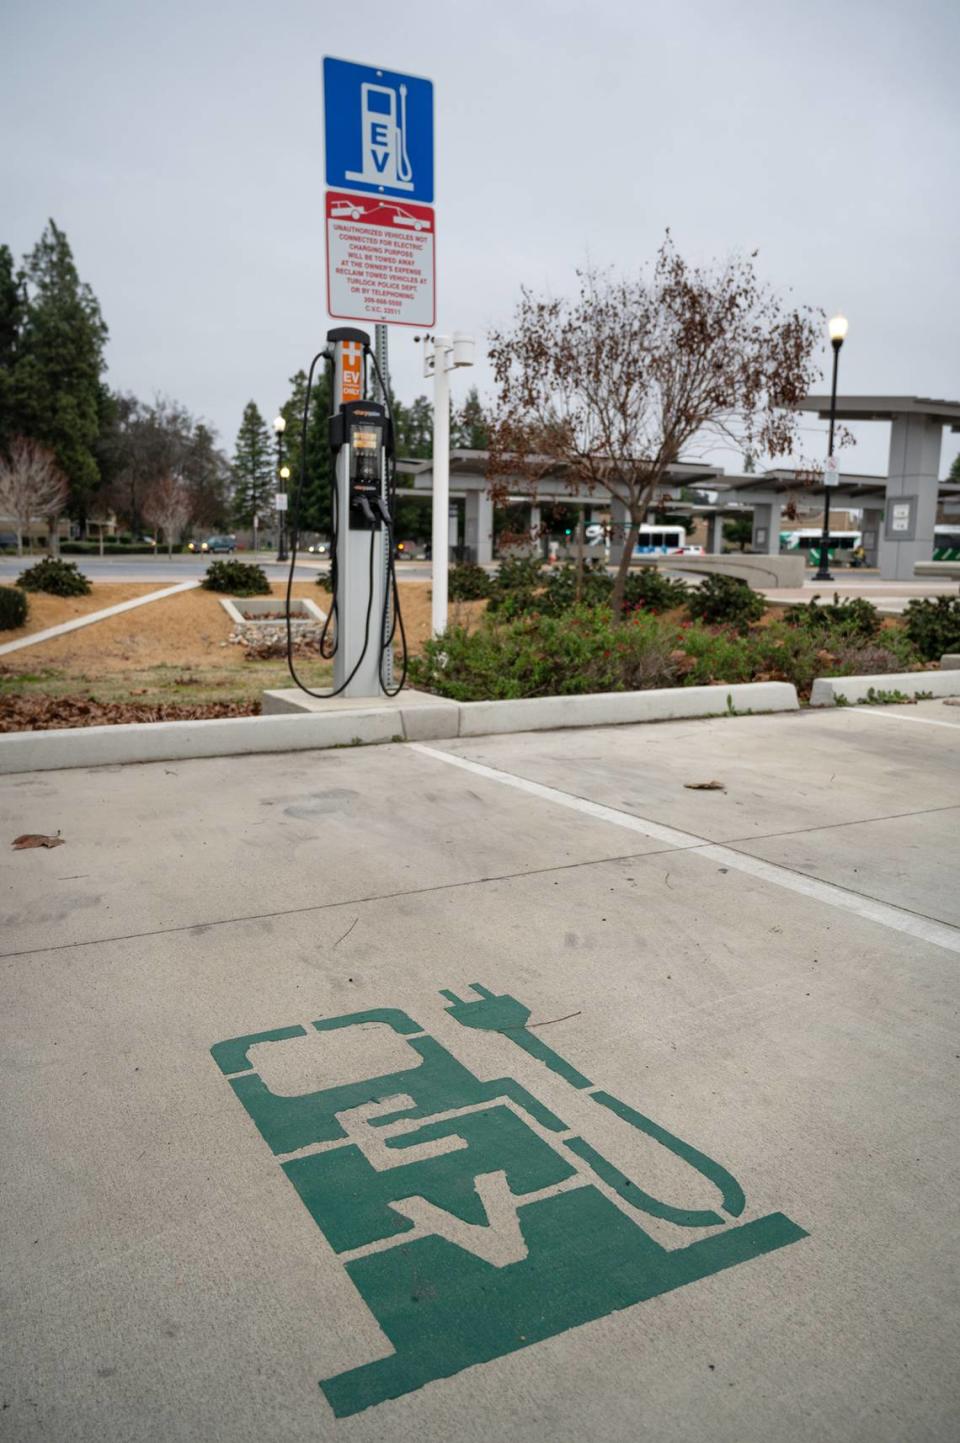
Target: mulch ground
38,713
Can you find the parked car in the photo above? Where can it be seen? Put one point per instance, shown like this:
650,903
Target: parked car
212,544
319,548
691,550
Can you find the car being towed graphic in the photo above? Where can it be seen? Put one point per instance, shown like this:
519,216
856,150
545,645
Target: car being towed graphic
415,222
341,209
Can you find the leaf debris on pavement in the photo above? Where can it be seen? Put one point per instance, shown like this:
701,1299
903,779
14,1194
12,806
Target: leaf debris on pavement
36,839
705,786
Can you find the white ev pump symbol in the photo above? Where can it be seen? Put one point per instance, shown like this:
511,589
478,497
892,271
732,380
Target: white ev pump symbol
383,131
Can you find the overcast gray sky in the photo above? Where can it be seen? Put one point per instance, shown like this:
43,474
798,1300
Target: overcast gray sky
180,146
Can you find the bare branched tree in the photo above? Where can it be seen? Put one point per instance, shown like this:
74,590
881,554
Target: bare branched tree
32,488
611,388
168,507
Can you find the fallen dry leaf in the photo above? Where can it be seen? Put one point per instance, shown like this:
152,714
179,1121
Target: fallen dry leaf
36,839
38,712
952,701
705,786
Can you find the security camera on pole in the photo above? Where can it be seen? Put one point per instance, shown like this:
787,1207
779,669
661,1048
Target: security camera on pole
441,355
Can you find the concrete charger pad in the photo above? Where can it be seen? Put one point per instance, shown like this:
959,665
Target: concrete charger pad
359,1095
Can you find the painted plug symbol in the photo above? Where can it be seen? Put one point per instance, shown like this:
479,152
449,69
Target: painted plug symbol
502,1013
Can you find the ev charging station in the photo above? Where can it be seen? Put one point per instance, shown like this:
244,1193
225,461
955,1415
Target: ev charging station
361,439
380,232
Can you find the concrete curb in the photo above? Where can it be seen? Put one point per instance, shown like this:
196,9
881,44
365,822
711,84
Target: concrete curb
613,708
428,720
828,690
37,637
755,568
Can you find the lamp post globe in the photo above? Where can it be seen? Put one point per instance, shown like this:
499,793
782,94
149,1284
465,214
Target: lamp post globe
837,328
837,331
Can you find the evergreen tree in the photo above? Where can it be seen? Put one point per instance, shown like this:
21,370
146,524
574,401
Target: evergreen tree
954,474
254,476
206,473
315,511
413,426
471,429
11,321
54,382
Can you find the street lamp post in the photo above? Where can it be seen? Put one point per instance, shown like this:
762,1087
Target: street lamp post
838,331
441,355
279,426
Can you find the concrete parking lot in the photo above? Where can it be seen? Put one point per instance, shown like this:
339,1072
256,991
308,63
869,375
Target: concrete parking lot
510,1088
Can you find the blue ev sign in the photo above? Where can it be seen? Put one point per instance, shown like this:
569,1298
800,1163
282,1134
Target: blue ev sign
379,130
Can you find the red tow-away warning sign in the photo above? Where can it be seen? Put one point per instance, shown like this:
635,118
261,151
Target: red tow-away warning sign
381,261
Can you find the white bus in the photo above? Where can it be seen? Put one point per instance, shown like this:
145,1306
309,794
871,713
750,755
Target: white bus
653,540
807,539
660,540
946,542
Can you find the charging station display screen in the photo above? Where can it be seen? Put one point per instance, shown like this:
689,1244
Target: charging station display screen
364,440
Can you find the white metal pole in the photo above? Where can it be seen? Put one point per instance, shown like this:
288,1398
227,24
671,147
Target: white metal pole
441,482
383,361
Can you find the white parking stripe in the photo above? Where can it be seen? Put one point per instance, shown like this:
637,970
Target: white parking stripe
927,721
940,934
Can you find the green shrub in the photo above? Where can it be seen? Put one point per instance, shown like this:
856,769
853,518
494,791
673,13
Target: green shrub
727,601
518,573
866,658
714,656
468,582
648,589
853,617
237,577
933,626
59,578
580,651
788,653
560,592
515,586
13,608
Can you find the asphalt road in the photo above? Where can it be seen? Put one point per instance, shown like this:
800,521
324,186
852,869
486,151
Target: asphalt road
182,568
500,1089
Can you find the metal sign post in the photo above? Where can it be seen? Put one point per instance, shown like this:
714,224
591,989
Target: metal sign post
380,350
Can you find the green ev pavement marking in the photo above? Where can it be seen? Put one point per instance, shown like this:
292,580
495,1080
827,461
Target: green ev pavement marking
467,1234
507,1015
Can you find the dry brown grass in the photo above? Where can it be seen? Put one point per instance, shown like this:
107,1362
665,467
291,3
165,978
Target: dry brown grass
53,610
189,630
